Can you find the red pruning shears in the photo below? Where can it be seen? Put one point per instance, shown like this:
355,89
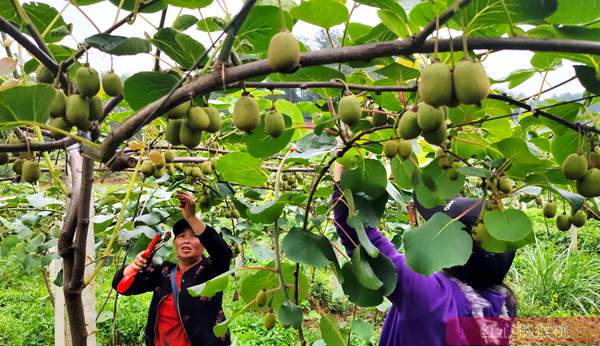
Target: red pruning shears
156,243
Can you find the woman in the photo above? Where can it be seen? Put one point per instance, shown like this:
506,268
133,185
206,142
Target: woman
466,305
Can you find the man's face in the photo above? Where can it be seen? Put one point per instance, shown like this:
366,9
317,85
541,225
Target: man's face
187,246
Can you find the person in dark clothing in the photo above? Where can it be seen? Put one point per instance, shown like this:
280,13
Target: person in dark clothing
180,319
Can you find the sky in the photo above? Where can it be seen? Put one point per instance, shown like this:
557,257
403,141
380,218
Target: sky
498,65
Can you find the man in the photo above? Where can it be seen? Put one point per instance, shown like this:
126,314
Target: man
181,319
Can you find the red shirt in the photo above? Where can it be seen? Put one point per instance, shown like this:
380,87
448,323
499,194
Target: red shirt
169,330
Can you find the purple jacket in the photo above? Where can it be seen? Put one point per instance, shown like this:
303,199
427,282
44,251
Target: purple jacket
425,309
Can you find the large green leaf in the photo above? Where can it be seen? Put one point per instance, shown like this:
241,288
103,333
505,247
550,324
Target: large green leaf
441,242
368,178
118,45
323,13
42,15
588,77
312,145
403,172
210,24
266,213
260,144
362,329
575,200
145,87
241,168
308,248
510,225
434,186
193,4
290,314
571,12
211,287
363,271
395,22
180,47
129,5
330,331
26,103
390,5
564,145
253,283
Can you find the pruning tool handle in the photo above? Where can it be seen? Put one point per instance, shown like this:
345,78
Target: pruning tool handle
128,279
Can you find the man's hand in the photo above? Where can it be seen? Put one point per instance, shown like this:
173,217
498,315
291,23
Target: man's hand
187,204
138,264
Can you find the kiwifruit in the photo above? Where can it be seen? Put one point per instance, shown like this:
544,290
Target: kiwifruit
261,298
169,156
112,85
197,118
203,199
435,84
274,123
158,159
158,172
188,136
579,218
60,123
549,210
171,169
187,170
57,107
227,214
291,179
180,110
284,51
87,81
4,158
172,131
215,119
147,168
390,148
298,175
96,108
197,172
17,166
453,174
378,119
437,136
31,171
78,112
235,214
563,222
575,166
269,320
408,126
206,167
179,166
404,148
44,75
246,114
349,109
479,232
505,184
444,162
429,118
538,201
589,184
471,83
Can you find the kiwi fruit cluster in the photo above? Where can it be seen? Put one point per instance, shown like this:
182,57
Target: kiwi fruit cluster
501,184
246,113
283,54
232,213
393,148
290,181
564,221
585,169
187,121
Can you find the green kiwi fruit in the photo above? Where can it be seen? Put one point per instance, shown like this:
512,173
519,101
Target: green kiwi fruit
158,172
215,119
147,168
435,84
479,231
261,298
471,83
96,108
30,171
169,156
87,81
172,131
378,119
505,184
246,114
575,166
453,173
349,109
112,85
269,320
589,184
4,158
429,118
549,210
235,214
179,166
57,107
197,172
17,166
579,218
206,167
171,169
188,136
408,126
404,148
563,222
60,123
444,162
437,136
283,52
390,148
274,123
197,118
181,110
77,112
44,75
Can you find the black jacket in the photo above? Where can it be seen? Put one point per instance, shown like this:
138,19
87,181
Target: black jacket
199,314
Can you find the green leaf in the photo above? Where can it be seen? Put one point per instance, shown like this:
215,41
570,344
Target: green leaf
307,248
391,5
260,144
573,12
564,145
355,222
42,15
395,22
241,168
439,243
260,25
184,22
434,186
575,200
518,77
330,331
180,47
403,172
474,172
118,45
39,201
145,87
266,213
211,287
210,24
357,293
368,178
312,11
363,271
510,225
312,145
290,314
128,5
588,77
398,71
362,329
26,103
193,4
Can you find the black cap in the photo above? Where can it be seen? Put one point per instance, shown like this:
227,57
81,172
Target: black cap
179,227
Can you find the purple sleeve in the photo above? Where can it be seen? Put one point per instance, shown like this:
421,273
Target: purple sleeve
423,292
